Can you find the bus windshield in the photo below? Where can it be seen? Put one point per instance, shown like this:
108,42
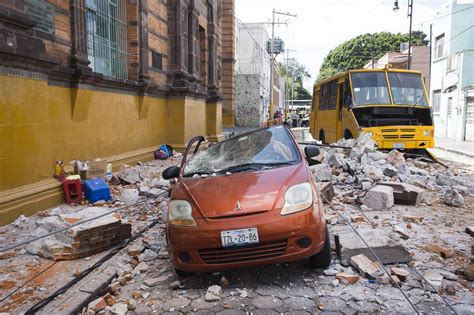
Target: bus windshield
407,88
370,88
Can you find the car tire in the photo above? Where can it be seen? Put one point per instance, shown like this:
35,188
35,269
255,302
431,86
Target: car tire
322,260
183,274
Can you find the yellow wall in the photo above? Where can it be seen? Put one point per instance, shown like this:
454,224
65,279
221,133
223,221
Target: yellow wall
40,124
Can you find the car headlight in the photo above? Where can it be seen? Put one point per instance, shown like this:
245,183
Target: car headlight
426,133
180,213
297,198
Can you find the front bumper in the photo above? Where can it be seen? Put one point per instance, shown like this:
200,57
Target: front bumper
278,241
402,137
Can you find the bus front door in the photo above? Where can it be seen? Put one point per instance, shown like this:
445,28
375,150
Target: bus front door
340,106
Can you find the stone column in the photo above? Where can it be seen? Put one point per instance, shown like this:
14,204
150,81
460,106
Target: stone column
79,60
227,83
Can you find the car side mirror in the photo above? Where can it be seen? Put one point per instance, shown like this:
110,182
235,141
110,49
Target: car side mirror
311,151
171,172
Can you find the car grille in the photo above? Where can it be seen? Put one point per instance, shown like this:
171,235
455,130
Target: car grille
386,133
243,254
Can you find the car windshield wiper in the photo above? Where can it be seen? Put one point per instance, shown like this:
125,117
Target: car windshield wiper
243,167
198,173
253,166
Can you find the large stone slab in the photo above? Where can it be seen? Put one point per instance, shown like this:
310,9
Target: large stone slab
405,194
327,190
379,198
388,250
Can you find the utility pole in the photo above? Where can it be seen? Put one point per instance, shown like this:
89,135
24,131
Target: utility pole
287,85
272,55
410,14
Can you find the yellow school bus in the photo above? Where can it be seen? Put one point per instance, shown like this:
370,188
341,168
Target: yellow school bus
391,104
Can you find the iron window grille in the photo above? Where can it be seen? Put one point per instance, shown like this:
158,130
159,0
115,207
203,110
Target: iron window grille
107,37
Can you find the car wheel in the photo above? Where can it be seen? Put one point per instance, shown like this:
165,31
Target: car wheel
323,258
183,274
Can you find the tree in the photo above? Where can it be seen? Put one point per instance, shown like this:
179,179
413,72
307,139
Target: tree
299,73
356,52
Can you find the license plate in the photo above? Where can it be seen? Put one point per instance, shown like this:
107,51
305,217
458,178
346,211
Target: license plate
239,237
398,146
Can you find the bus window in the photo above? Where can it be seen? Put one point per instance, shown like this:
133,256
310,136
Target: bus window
347,94
370,88
327,101
407,88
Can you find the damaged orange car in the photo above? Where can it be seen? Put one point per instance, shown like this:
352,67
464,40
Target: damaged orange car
246,201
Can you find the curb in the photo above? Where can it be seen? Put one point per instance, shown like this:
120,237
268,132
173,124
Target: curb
455,151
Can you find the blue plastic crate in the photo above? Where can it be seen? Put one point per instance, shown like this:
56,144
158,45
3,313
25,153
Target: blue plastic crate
97,189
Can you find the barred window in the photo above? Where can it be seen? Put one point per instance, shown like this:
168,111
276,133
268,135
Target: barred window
107,37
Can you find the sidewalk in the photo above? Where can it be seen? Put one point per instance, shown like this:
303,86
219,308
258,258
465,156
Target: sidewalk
459,147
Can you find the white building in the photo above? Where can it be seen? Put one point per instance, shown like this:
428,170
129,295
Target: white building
452,71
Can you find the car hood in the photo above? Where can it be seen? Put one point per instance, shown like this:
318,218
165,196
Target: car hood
252,192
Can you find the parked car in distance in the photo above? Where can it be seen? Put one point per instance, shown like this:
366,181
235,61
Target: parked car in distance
246,201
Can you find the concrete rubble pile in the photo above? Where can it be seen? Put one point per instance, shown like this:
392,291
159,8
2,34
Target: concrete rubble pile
386,196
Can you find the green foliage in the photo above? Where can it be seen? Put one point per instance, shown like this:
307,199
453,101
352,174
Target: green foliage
356,52
300,73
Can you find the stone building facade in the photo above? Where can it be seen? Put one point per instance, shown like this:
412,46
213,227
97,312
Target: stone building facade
83,79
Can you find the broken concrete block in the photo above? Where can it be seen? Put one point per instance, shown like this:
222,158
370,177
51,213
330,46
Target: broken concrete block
454,198
357,219
119,309
151,282
213,293
129,196
397,229
337,160
379,198
322,172
434,278
82,240
445,180
395,158
327,190
129,175
388,250
395,281
390,171
464,191
365,266
405,194
141,267
401,273
346,278
373,172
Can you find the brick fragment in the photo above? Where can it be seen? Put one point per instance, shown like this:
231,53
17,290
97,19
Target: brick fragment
346,278
97,305
358,219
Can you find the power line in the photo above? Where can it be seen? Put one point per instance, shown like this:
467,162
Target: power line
77,224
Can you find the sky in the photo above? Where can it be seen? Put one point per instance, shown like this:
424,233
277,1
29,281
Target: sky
321,25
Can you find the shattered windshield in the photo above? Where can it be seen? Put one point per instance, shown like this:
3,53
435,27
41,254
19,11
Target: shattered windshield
262,149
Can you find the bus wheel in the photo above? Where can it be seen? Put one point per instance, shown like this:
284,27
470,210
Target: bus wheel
321,136
348,134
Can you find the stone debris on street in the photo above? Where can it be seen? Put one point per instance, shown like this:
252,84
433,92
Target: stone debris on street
416,216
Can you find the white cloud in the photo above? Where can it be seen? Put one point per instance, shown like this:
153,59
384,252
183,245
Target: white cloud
321,25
